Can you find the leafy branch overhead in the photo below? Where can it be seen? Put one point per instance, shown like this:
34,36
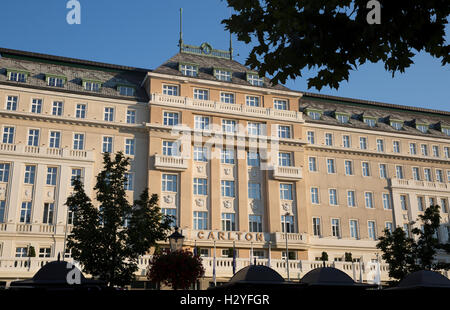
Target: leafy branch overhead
334,37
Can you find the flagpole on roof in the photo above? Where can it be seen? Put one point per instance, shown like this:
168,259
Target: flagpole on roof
180,42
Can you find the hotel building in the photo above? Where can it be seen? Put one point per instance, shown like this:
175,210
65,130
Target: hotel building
237,161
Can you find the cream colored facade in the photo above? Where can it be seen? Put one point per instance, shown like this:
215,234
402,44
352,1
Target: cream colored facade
210,199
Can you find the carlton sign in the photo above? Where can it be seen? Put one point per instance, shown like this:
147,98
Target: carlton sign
229,236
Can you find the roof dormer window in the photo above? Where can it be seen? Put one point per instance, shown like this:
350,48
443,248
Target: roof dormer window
371,122
446,130
92,85
255,79
17,76
188,69
126,90
56,81
398,125
422,128
314,114
222,75
342,118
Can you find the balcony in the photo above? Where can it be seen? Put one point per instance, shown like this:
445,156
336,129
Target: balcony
420,185
227,108
287,173
41,151
174,163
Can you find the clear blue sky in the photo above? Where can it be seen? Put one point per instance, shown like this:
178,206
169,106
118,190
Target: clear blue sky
145,34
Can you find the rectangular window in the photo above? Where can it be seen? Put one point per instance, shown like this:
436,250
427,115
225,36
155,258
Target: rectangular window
396,146
11,103
2,211
329,139
189,70
170,148
412,149
397,125
399,172
8,135
424,149
351,200
108,114
387,201
333,197
316,226
439,176
126,90
254,79
228,222
389,226
371,122
25,213
36,106
372,232
368,199
171,90
227,188
335,228
330,166
77,173
314,115
420,203
222,75
227,98
422,128
45,252
227,156
427,174
254,191
169,183
284,159
131,116
17,76
287,224
172,213
342,118
403,202
21,252
92,86
252,101
200,220
30,172
52,173
383,171
80,111
78,141
54,139
33,137
254,129
255,223
49,211
346,141
363,143
444,205
380,145
416,173
129,146
311,137
170,118
107,144
446,152
129,181
285,191
435,149
57,108
354,229
200,153
365,169
314,195
348,167
279,104
201,94
312,163
200,186
284,132
253,159
229,126
201,122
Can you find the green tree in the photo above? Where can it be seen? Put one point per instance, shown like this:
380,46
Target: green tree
179,269
405,255
107,240
334,37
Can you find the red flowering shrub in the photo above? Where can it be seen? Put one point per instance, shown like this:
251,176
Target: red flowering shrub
179,269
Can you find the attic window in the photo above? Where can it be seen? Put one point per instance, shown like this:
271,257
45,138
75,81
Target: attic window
126,90
342,118
92,85
189,69
371,122
255,79
17,76
422,128
57,81
446,130
314,114
222,75
398,125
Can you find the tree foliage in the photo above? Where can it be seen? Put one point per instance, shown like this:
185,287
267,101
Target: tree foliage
334,36
179,269
101,240
405,255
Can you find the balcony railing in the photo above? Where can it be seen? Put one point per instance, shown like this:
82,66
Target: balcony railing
163,162
41,151
229,108
287,173
422,185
